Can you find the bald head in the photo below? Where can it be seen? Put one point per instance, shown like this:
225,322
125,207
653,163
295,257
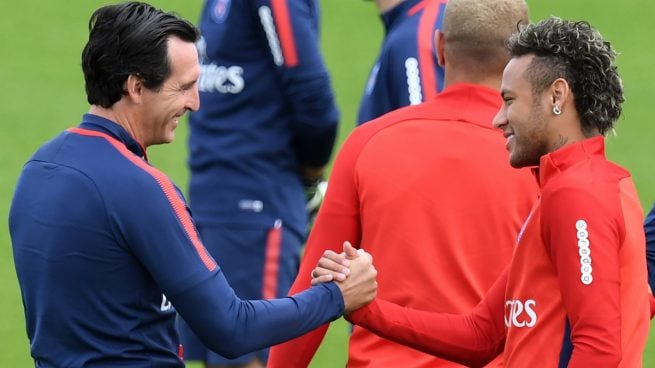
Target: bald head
475,33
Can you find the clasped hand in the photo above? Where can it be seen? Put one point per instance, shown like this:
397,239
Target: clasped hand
353,272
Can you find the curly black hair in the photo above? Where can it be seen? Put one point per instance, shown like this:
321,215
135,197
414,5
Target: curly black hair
129,38
576,52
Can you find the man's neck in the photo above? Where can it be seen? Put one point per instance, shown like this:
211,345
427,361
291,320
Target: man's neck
453,77
117,116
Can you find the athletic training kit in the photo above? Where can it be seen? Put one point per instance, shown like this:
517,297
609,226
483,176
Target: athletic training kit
266,107
104,246
575,294
420,189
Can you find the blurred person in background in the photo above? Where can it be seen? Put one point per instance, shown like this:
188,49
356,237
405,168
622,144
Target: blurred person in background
406,71
258,146
649,228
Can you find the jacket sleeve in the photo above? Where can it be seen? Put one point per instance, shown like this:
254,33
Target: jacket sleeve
473,339
583,232
162,235
337,221
292,31
233,327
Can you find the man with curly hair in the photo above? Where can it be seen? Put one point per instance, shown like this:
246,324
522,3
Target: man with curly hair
575,294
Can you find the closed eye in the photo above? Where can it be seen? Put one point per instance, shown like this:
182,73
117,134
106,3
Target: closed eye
187,86
507,97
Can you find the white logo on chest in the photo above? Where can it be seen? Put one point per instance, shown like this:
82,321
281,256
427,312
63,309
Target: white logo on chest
519,313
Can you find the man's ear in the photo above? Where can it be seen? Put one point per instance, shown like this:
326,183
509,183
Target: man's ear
133,87
560,92
439,47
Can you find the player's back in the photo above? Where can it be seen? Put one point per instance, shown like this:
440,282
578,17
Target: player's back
435,184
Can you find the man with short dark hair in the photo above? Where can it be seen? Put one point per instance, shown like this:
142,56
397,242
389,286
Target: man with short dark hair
104,244
576,293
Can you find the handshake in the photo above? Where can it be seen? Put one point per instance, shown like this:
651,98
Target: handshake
353,272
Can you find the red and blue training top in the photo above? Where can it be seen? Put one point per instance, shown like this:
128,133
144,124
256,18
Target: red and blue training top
575,294
104,247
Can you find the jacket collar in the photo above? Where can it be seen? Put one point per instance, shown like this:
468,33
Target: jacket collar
472,103
391,16
553,163
100,124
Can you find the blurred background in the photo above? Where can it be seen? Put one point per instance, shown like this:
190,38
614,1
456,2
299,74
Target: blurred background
42,93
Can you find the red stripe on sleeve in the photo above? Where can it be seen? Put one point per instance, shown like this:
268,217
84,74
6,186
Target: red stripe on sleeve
425,41
167,187
272,261
416,8
285,32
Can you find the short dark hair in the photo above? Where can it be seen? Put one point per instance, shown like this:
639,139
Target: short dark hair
576,52
129,39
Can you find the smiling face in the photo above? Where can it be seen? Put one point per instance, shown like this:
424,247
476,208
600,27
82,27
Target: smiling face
162,109
523,116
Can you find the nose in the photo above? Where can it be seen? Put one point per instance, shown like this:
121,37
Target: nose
500,120
193,103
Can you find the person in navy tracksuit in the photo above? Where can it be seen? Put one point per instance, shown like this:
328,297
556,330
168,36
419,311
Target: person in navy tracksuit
261,138
649,229
105,248
406,71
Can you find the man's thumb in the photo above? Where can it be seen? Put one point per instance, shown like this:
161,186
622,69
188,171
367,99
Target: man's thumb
350,251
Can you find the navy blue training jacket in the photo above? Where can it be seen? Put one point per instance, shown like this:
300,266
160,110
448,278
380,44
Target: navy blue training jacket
105,251
266,107
406,71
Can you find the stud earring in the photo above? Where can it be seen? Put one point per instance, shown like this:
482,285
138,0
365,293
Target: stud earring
557,110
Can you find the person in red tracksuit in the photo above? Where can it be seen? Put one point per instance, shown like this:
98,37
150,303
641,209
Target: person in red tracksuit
418,189
576,293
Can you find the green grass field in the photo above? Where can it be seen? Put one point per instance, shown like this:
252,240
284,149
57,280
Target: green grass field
43,93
